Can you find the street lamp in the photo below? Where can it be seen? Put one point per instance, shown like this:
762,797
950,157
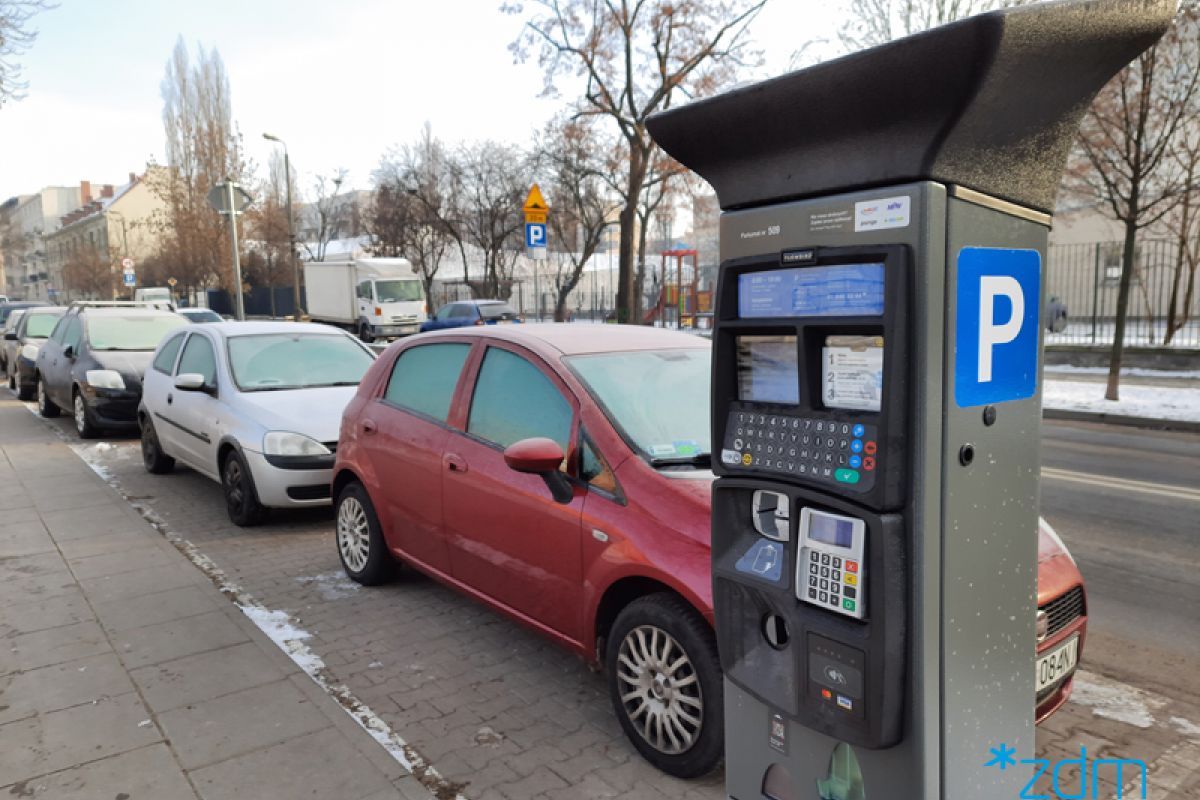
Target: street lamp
287,171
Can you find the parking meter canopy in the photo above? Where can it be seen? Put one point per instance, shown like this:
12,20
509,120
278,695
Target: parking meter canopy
968,104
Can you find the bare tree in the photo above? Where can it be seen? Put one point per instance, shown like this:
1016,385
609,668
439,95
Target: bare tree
16,37
493,179
873,22
1184,224
203,149
574,155
637,57
269,260
330,213
416,211
1125,144
90,272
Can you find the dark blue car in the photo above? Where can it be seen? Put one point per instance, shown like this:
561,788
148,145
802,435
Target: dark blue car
463,313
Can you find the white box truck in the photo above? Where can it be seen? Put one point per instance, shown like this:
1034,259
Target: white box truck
377,298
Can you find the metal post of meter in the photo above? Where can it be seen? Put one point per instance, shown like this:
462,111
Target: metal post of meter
239,308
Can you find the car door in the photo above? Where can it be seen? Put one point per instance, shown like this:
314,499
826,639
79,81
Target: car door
156,385
508,537
402,435
57,374
196,414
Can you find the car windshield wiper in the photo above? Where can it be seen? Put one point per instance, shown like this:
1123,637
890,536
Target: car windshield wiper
699,460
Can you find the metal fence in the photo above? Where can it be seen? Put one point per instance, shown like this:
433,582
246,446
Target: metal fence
1086,278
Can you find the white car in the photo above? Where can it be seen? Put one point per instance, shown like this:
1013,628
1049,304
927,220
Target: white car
255,406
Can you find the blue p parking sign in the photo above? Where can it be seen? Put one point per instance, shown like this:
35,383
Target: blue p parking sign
535,234
996,343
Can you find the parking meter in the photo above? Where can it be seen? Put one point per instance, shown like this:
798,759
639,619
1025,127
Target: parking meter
876,399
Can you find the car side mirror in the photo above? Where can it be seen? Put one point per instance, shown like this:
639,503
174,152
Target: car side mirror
10,336
191,382
541,456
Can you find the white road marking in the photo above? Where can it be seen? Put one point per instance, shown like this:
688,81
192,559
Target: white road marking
1123,484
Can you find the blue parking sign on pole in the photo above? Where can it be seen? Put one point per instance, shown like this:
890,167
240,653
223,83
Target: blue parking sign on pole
535,234
996,339
130,279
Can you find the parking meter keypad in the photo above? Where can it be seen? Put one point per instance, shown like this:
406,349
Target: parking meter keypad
829,451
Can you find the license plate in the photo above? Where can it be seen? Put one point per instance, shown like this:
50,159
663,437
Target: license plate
1057,664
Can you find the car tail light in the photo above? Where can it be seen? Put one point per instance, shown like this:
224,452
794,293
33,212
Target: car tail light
479,322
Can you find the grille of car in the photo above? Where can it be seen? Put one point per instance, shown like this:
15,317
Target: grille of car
1063,610
405,318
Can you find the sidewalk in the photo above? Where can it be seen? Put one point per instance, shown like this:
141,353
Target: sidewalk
1149,398
125,673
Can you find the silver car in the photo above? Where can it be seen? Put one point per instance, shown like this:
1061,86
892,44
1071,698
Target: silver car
255,406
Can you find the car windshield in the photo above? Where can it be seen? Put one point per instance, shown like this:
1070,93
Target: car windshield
497,311
657,399
275,361
398,291
39,326
132,332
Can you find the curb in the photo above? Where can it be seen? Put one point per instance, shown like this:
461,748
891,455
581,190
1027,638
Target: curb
1126,420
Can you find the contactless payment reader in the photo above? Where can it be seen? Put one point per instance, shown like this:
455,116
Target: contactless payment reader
876,400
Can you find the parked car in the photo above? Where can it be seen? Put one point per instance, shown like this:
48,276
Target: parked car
255,406
22,345
94,361
560,474
9,327
8,307
462,313
200,315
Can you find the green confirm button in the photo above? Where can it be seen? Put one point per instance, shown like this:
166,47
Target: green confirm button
846,475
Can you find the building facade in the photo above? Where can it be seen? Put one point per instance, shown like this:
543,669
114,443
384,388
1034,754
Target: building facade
26,221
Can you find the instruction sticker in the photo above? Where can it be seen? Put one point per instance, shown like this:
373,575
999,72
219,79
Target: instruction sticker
852,372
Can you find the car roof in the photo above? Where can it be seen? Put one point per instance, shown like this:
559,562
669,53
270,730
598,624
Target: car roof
123,311
575,338
55,310
233,328
478,302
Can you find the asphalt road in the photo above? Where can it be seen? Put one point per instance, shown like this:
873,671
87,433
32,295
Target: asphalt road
1127,504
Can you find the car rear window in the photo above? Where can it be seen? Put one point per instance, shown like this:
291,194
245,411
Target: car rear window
497,311
424,378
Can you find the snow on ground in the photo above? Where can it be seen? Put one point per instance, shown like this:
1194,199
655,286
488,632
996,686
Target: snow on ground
1133,372
1157,402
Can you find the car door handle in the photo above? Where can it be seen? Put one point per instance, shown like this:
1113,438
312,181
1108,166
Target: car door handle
454,463
170,399
368,426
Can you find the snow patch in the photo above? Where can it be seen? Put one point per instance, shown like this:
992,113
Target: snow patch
1116,701
1157,402
331,585
1186,726
1133,372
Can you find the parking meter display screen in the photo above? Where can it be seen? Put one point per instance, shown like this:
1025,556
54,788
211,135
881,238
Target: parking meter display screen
768,369
831,530
842,290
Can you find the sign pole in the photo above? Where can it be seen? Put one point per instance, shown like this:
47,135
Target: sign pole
239,307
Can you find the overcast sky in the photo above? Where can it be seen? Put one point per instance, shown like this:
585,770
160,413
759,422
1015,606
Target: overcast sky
339,81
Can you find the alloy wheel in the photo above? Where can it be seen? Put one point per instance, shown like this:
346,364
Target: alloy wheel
353,534
235,482
80,414
660,689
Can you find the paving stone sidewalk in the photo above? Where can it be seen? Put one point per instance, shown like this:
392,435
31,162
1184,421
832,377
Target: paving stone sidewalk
125,673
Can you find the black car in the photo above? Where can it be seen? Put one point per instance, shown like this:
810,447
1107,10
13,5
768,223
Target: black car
6,310
22,343
94,361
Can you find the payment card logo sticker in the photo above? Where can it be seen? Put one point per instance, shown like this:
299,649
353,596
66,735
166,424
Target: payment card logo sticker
878,215
996,339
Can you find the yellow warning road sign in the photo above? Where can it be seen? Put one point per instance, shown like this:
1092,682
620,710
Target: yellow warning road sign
535,202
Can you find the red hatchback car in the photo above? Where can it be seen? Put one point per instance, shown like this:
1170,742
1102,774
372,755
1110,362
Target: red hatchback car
560,473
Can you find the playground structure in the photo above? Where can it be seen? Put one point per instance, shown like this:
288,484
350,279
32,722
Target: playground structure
681,303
